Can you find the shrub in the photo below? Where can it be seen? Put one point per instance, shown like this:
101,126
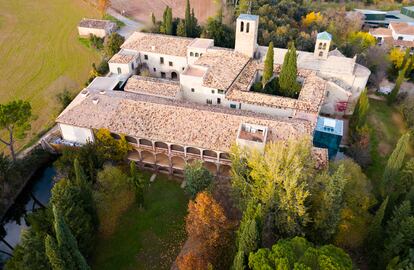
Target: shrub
113,196
197,178
407,110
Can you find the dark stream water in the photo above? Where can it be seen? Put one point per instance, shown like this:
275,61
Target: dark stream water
36,193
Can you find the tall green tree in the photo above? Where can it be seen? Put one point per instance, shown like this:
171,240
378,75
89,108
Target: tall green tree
112,44
15,121
181,28
167,24
359,116
188,20
374,241
63,252
268,65
394,165
138,182
401,77
288,84
222,34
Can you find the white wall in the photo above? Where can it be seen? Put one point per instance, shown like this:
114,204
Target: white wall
83,31
76,134
153,61
125,68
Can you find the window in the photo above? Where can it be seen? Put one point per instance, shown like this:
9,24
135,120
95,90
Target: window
155,70
161,60
192,90
201,54
247,27
212,91
145,57
170,64
196,54
400,38
133,65
218,100
220,91
163,75
183,68
320,54
241,26
119,70
320,46
209,101
233,106
327,93
191,54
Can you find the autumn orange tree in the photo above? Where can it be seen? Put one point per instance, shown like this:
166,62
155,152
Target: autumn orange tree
103,5
209,231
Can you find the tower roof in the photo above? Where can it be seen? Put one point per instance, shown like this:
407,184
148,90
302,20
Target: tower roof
248,17
324,36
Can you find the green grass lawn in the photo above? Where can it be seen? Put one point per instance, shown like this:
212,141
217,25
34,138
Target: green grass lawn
149,238
387,126
40,54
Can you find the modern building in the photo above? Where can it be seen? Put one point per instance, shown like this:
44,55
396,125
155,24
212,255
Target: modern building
99,28
399,35
195,100
377,18
328,134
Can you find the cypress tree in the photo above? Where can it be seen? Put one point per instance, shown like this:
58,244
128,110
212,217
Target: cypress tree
268,65
249,238
288,75
138,183
360,113
154,21
188,20
168,22
394,164
65,248
239,261
181,28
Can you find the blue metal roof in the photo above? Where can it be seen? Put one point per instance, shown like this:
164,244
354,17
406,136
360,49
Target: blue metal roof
248,17
324,36
329,125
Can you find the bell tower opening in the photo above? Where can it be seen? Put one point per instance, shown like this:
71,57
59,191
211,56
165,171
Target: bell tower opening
247,28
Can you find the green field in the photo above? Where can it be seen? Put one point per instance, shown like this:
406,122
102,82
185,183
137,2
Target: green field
146,239
40,54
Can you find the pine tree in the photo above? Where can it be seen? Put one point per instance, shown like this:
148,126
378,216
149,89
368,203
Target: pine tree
360,113
288,75
394,165
181,28
64,252
188,20
268,65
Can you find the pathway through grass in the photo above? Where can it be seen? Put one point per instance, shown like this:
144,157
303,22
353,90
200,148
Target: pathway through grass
150,238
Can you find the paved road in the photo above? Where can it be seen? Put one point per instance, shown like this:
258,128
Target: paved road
130,25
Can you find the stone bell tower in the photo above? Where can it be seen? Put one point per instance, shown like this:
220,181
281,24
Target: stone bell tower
247,28
323,41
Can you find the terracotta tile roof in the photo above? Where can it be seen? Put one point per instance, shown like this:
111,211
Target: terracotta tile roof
185,123
380,31
122,58
152,86
223,67
156,43
403,43
402,28
98,24
310,98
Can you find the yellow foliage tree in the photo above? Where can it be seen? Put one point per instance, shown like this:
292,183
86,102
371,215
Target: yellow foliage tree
396,56
312,17
361,39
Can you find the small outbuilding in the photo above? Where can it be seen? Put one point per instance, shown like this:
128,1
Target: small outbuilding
328,134
99,28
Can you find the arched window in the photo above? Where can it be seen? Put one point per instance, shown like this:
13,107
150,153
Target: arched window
320,46
191,54
241,26
247,27
320,54
324,46
196,54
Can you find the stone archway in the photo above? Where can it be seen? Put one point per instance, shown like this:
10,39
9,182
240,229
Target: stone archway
178,162
163,160
174,75
147,157
211,167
